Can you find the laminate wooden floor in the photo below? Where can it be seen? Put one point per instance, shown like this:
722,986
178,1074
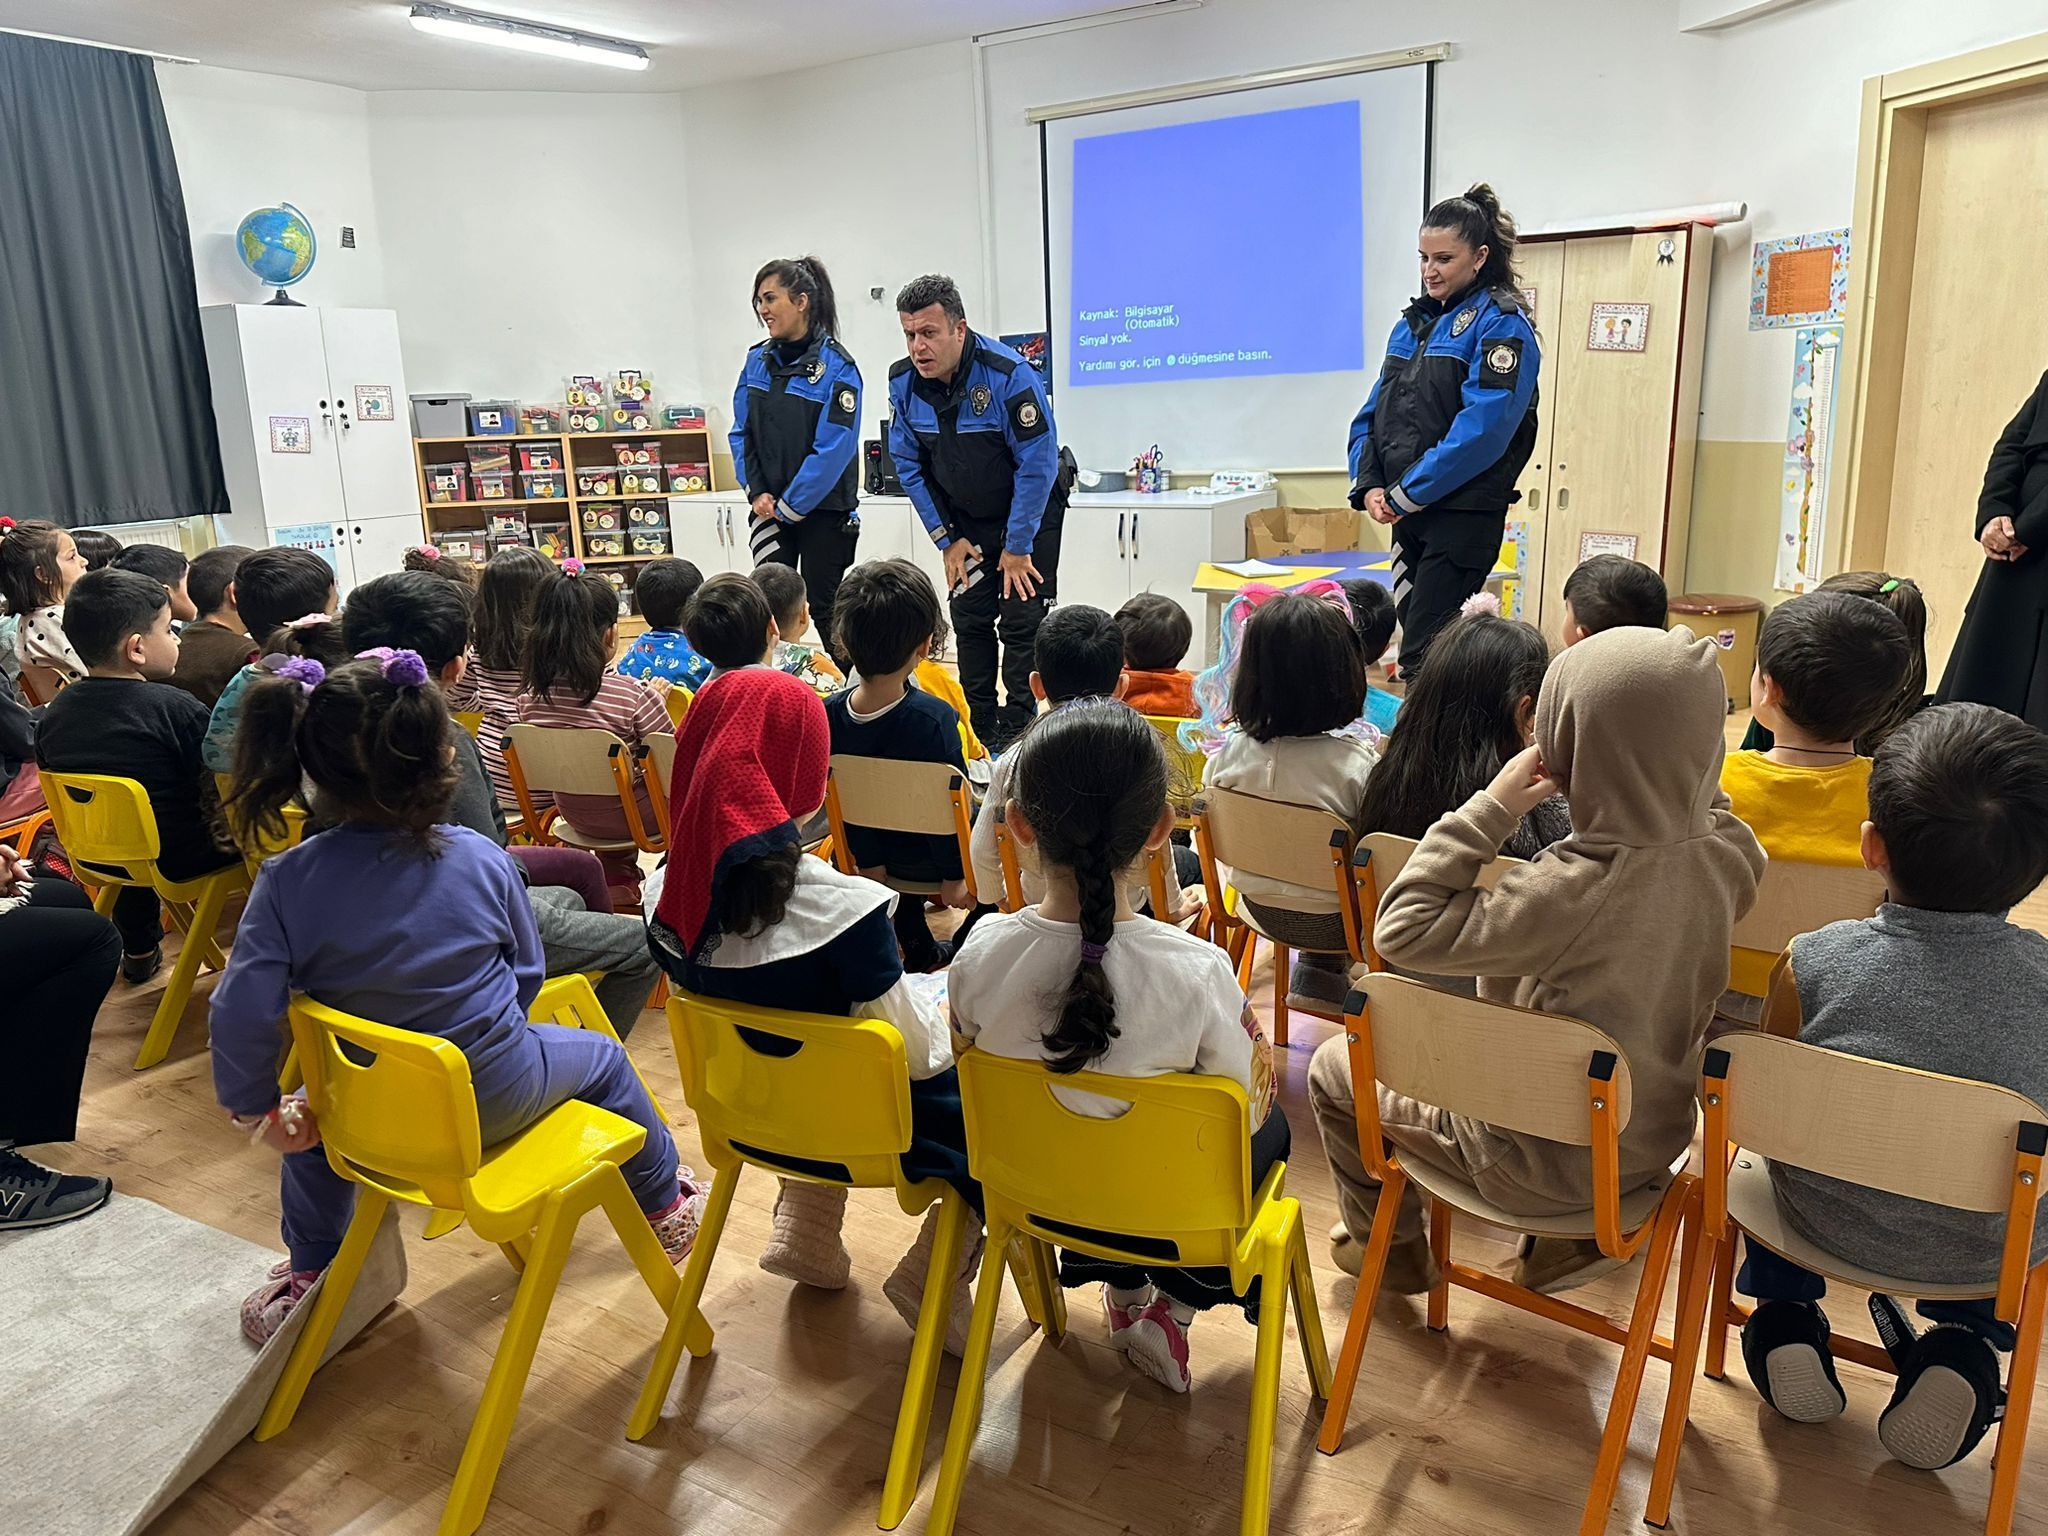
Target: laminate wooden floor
785,1427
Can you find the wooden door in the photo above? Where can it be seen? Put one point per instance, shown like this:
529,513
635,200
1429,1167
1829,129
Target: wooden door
1542,269
1976,340
1611,446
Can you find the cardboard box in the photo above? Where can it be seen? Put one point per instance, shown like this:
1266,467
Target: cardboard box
1275,531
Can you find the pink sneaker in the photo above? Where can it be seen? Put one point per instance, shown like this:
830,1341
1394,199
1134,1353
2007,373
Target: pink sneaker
1122,1319
265,1309
677,1226
1157,1344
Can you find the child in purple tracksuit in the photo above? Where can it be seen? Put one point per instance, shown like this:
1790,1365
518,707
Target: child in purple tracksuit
395,916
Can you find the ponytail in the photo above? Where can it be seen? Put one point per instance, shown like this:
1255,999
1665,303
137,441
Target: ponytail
805,277
1478,219
267,776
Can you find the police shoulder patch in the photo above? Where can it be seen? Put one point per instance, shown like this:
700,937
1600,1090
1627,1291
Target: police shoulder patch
1027,416
844,406
1464,321
1500,362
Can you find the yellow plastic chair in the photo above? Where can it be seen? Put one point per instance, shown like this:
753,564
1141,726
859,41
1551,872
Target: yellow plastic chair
1187,765
257,846
891,795
1946,1140
678,699
398,1117
109,831
471,720
1794,898
1170,1176
806,1096
932,677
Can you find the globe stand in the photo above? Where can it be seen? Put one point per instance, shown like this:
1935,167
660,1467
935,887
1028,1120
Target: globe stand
284,298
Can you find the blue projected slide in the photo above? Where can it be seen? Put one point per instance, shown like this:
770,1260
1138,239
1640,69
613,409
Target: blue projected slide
1222,248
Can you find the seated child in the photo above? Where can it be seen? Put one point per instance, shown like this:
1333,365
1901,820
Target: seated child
123,719
38,564
1298,681
1938,980
1902,595
1157,633
1624,924
789,601
743,914
1372,615
97,548
1828,665
570,683
887,613
663,590
164,564
372,738
1609,591
730,625
490,685
214,646
1088,793
274,588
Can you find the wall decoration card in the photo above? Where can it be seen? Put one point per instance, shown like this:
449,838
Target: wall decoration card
318,537
1799,281
1592,543
1619,328
374,403
1035,347
291,434
1809,440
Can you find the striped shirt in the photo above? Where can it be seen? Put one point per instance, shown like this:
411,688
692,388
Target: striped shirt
625,706
494,693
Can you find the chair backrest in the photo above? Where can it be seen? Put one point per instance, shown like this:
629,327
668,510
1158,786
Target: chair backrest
659,756
1946,1140
802,1092
1516,1068
395,1108
40,684
678,699
891,795
565,760
1383,856
106,824
471,720
1188,764
257,848
1168,1180
1272,839
1792,899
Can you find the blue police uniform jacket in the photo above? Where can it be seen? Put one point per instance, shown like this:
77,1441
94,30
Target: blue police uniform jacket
796,427
1451,419
977,454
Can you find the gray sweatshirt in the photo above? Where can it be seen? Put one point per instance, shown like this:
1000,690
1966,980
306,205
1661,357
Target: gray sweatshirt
1960,993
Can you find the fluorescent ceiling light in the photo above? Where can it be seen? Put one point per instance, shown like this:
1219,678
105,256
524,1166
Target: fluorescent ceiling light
528,36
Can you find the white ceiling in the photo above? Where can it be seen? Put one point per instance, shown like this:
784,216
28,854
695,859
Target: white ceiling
369,45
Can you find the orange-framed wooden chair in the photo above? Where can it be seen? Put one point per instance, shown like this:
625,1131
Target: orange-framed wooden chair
576,760
1947,1140
894,796
109,832
1187,765
1158,861
40,684
1538,1074
1794,898
21,835
1297,844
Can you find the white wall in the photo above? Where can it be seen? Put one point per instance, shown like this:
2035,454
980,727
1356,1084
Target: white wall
537,235
247,141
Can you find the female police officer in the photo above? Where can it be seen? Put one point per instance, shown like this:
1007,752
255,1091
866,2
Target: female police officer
1451,420
796,432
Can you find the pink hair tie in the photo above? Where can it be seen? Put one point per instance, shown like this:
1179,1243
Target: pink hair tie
572,566
307,621
427,551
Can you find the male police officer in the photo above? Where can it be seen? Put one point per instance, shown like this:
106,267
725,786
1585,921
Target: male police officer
972,438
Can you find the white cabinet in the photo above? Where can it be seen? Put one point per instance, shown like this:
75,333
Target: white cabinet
1116,545
700,529
312,411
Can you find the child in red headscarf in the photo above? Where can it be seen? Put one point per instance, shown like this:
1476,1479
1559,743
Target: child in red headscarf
743,914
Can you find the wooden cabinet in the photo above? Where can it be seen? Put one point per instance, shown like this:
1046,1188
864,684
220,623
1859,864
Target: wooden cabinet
1617,422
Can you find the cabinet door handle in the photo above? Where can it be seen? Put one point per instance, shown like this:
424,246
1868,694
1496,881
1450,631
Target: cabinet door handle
1536,500
1134,535
1120,535
1564,497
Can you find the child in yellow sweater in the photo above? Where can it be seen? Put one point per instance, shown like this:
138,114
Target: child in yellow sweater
1828,664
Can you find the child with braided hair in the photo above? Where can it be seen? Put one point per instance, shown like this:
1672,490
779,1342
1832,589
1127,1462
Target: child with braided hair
1143,998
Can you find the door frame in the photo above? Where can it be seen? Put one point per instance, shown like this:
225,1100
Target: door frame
1890,156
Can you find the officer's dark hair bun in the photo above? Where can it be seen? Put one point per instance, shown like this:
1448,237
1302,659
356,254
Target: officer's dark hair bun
1478,219
803,277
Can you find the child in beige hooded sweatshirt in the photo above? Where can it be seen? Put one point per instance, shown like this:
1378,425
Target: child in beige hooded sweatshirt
1625,924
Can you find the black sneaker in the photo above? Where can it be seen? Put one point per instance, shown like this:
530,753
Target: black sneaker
1947,1398
1785,1346
34,1196
139,968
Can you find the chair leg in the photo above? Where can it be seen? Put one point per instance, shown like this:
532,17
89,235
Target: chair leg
1440,1250
973,1379
484,1451
913,1415
1247,957
1377,1247
1635,1354
1695,1278
681,1329
514,1254
1722,1293
103,899
170,1007
1024,1275
1315,1353
1280,997
2019,1407
644,1248
334,1292
1046,1271
1256,1510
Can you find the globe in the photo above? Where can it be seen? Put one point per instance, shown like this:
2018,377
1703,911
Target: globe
277,245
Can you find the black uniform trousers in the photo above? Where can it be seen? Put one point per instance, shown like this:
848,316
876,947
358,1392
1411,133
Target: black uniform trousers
992,632
821,547
1440,559
59,957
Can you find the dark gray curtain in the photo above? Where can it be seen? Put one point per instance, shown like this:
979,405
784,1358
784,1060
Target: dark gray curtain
106,415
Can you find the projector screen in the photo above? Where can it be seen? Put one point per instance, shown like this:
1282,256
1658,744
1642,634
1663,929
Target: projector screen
1224,270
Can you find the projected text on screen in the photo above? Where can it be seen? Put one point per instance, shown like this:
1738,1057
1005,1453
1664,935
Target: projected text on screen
1227,247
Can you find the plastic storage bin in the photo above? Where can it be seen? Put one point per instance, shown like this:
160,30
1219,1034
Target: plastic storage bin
687,479
543,484
447,482
440,415
596,480
493,418
638,453
493,484
540,456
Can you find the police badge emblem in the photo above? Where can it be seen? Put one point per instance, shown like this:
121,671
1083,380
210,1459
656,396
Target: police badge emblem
979,398
1464,321
1502,359
1027,415
846,401
817,369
